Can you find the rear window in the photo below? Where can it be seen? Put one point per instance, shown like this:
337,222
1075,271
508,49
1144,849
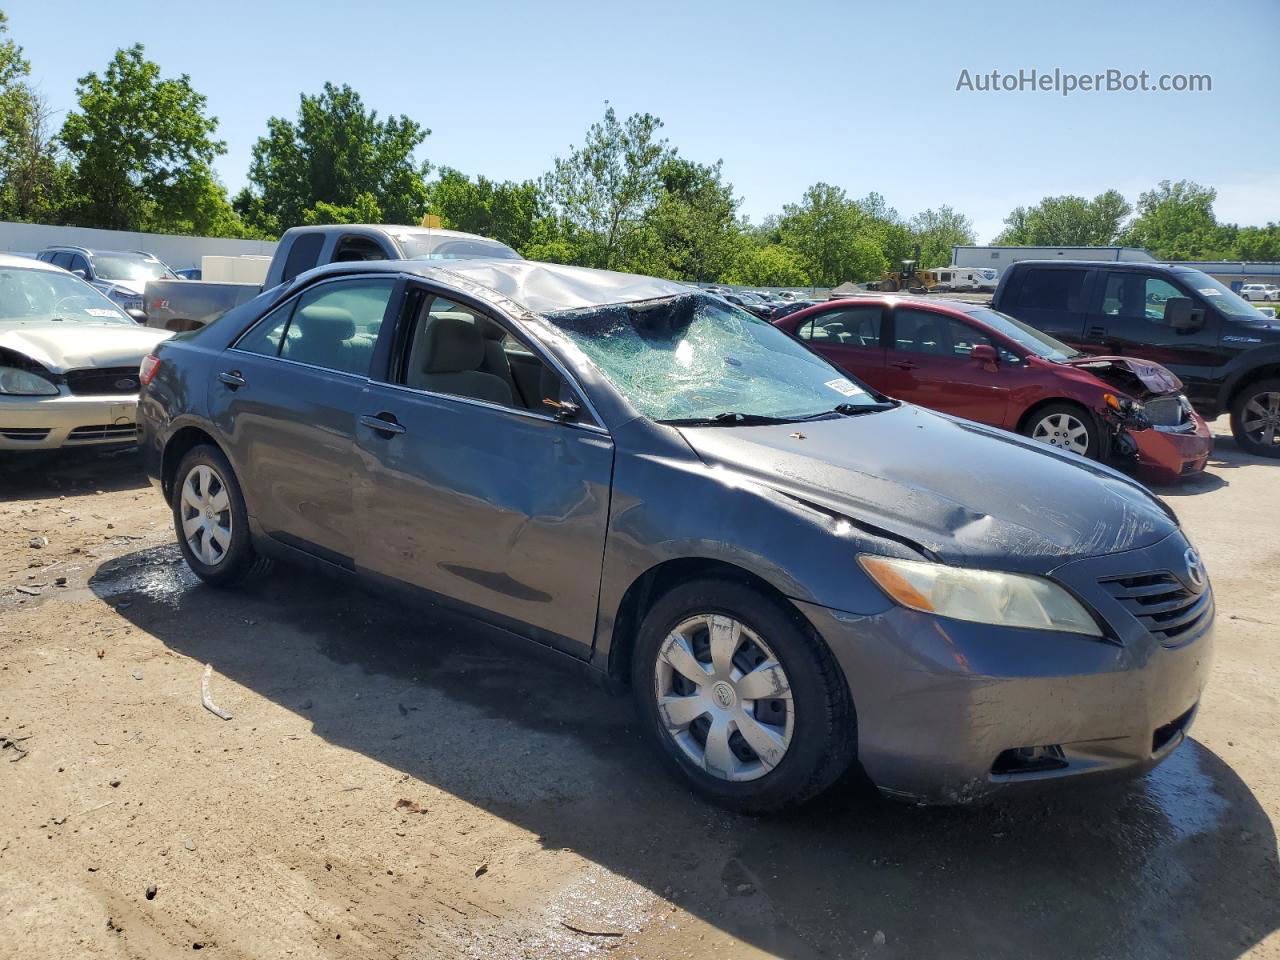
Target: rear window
1053,288
303,254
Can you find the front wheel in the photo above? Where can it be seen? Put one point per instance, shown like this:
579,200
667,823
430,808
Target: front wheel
742,699
1255,418
210,519
1067,427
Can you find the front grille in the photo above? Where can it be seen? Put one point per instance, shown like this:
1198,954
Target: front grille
24,433
103,381
1161,603
105,431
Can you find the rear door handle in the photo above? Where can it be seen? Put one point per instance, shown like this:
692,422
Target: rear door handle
232,378
902,364
1098,333
383,423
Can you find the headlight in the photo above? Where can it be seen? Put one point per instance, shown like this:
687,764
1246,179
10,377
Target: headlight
979,596
24,383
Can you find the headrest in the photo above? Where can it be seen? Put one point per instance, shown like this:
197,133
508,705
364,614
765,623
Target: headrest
492,331
326,323
452,345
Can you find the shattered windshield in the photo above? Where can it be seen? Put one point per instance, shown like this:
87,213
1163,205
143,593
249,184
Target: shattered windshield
693,357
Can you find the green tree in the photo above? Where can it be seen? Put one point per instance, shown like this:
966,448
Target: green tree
937,231
33,173
604,190
771,265
691,232
1175,221
836,237
1256,243
335,154
505,211
1067,221
143,150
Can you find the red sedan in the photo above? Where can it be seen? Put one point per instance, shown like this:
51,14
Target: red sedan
968,360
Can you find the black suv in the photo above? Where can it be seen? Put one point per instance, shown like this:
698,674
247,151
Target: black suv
1224,349
121,274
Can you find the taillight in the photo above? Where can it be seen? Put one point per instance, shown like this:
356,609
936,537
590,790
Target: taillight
148,369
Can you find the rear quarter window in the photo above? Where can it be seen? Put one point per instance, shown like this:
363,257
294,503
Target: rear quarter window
1053,288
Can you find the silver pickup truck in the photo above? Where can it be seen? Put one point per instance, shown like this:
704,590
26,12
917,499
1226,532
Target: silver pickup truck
188,304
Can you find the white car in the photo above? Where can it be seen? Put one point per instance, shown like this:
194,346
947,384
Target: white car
69,361
1260,291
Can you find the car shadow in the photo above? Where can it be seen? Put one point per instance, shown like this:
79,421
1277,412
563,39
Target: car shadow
38,475
1179,863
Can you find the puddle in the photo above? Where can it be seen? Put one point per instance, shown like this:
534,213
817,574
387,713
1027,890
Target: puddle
158,574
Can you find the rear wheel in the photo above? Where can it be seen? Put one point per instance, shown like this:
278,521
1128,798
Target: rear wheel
210,519
744,701
1066,426
1255,418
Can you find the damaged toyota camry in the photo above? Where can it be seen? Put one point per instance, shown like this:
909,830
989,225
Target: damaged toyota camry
790,572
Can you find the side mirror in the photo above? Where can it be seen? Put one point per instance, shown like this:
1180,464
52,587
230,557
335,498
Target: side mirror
985,354
80,273
1181,315
138,316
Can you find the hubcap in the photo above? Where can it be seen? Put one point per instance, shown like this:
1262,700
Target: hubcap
724,698
1064,431
1261,418
206,514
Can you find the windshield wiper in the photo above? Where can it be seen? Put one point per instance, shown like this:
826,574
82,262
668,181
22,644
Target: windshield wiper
853,409
730,419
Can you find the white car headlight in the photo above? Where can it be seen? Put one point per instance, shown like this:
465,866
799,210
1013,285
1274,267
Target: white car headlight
23,383
979,596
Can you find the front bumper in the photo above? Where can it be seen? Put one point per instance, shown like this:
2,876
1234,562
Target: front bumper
941,703
1166,453
66,420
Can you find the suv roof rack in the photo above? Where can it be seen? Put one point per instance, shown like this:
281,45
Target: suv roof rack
70,246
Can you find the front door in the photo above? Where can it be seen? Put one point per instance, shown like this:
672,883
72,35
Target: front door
285,397
1130,310
930,364
472,489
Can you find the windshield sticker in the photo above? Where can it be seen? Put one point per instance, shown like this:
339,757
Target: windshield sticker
1210,292
99,312
845,387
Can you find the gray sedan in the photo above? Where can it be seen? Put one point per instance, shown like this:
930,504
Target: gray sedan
790,572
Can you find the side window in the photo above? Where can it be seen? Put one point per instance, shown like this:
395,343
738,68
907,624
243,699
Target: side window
1133,295
848,327
922,331
334,325
304,253
79,263
454,349
357,248
1053,289
61,260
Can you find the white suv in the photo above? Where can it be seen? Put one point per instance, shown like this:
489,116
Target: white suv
1260,291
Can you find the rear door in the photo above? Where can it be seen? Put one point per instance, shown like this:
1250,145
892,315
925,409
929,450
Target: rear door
285,397
850,337
471,488
930,364
1053,299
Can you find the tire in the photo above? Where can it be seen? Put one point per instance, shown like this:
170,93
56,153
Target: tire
810,737
204,479
1058,425
1255,413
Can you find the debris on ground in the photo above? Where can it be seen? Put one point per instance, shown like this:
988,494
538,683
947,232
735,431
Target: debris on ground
12,743
207,700
482,869
411,806
590,933
878,939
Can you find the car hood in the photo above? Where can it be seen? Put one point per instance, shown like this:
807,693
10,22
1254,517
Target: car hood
1142,378
60,346
972,495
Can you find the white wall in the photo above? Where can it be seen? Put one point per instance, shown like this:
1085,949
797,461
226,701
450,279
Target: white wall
177,252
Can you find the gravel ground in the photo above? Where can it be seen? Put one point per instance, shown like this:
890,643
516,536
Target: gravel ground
397,782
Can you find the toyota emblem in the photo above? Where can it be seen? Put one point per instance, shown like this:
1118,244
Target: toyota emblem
1195,568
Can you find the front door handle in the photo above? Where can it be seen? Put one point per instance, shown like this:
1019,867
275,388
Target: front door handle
232,379
1097,333
903,364
383,423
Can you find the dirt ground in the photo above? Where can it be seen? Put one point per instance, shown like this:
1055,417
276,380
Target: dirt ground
397,782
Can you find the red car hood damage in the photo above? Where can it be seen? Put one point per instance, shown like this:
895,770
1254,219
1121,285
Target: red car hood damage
1138,378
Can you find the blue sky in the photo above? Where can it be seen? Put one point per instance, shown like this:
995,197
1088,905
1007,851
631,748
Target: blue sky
786,93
